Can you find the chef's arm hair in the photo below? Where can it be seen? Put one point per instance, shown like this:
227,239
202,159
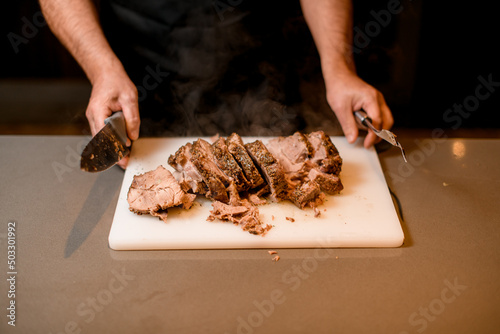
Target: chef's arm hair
330,23
76,24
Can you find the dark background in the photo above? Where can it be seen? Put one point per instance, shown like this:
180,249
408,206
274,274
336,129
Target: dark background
426,60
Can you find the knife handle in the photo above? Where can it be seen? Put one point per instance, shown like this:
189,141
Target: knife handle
117,121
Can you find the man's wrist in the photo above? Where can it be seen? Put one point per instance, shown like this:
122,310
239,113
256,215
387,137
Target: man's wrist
104,68
335,68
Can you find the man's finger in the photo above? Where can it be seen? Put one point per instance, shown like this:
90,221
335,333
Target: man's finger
387,119
347,122
130,108
373,110
96,118
123,163
371,139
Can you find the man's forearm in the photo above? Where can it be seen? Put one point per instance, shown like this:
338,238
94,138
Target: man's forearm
330,22
76,25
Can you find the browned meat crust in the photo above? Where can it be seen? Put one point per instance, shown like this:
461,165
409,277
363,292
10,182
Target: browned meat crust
228,164
214,178
271,168
305,193
311,164
329,183
237,149
326,155
190,178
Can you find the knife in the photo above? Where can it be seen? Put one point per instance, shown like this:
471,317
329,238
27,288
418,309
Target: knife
364,120
107,147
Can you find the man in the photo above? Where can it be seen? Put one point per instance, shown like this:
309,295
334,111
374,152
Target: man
77,25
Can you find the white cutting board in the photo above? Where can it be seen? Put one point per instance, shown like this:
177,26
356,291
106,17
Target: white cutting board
362,215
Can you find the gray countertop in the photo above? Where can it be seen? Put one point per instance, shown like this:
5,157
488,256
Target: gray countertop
444,279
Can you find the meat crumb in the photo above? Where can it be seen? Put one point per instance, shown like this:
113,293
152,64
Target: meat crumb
276,258
290,219
317,213
271,252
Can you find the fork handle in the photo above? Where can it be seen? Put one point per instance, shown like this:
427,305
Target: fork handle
364,120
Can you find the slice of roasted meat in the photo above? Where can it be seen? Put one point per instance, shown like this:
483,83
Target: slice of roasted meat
214,178
155,191
271,169
326,155
227,163
237,149
189,177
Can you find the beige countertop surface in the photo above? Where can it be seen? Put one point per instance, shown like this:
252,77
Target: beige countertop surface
66,279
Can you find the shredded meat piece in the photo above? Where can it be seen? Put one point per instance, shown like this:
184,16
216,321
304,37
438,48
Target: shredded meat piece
245,216
256,200
271,168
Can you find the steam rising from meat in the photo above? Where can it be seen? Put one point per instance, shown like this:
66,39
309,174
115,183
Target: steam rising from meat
256,72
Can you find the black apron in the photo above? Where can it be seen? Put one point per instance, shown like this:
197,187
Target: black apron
204,67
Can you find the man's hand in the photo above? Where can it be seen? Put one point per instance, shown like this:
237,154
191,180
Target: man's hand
346,93
112,92
330,22
76,25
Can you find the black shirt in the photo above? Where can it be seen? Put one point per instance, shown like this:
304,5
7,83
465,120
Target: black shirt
230,68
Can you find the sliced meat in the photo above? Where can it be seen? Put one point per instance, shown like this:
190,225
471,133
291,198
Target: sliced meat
305,194
227,163
305,142
246,216
237,149
155,191
204,161
326,155
271,169
234,195
328,183
293,154
189,177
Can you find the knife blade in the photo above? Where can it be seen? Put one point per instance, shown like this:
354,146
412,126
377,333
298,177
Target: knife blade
107,147
364,120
